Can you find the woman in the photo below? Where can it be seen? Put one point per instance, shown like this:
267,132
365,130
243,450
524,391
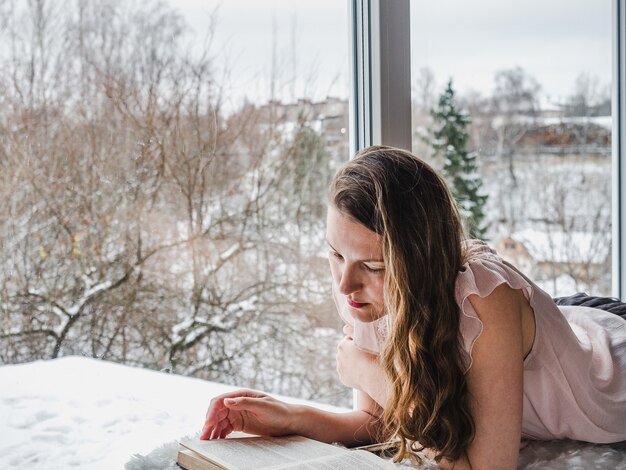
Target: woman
450,348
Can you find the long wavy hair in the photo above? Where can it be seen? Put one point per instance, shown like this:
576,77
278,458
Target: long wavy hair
398,196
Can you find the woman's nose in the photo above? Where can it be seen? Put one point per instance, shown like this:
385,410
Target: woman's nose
349,282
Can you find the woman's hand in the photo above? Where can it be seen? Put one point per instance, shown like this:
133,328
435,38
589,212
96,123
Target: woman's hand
248,411
353,364
359,369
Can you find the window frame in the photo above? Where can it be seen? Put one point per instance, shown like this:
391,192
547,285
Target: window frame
380,94
618,105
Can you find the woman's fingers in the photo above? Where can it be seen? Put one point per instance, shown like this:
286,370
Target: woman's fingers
217,409
217,429
246,411
252,404
216,414
226,431
216,423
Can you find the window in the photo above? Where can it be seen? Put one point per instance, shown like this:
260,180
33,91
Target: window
537,91
164,169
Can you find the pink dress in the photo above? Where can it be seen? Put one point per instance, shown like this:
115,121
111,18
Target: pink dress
575,373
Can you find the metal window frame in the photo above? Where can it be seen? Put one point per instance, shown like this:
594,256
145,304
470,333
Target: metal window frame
380,96
619,148
380,91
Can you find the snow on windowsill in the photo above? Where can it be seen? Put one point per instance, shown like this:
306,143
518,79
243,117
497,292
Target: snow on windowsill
83,413
80,413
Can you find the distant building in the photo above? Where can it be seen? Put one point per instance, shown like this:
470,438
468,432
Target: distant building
548,256
329,118
589,136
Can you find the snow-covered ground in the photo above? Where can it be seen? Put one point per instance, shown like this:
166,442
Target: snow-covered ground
79,413
87,414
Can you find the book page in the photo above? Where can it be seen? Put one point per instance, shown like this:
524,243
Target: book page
352,460
261,452
190,460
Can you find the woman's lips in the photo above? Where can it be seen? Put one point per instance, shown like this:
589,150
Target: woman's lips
354,304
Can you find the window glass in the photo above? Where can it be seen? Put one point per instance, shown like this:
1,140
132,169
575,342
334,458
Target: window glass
163,174
531,82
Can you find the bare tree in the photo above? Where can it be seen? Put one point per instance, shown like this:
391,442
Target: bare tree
515,103
572,214
587,97
143,223
424,89
588,100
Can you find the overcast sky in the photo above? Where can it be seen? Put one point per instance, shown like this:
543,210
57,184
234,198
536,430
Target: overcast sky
554,40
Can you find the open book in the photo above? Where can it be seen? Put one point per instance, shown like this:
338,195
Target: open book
264,453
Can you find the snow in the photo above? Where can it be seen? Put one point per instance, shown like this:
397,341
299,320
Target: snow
561,286
564,247
80,413
83,413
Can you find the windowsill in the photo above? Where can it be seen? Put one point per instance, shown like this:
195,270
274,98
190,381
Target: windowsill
77,412
83,413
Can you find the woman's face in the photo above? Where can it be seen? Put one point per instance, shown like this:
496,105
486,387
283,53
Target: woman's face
356,264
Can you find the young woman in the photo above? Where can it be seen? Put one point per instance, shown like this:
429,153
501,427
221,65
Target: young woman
450,348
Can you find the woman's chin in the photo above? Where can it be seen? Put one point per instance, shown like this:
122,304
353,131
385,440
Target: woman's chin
365,314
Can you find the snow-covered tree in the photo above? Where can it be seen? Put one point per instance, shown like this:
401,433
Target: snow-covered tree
144,224
449,141
515,106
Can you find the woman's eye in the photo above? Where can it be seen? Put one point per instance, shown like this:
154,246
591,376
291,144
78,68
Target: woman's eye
334,254
374,269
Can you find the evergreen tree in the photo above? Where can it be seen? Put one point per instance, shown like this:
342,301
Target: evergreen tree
460,168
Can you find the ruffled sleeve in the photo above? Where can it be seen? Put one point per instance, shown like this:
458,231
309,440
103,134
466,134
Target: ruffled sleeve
483,271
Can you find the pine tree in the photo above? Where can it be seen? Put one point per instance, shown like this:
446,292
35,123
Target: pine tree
460,167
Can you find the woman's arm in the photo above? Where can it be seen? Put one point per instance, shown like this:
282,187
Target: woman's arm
257,413
495,380
355,428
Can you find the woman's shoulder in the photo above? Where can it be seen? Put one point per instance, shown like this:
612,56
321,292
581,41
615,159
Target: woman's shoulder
481,274
484,270
473,249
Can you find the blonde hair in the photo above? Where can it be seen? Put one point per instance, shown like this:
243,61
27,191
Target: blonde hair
400,197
